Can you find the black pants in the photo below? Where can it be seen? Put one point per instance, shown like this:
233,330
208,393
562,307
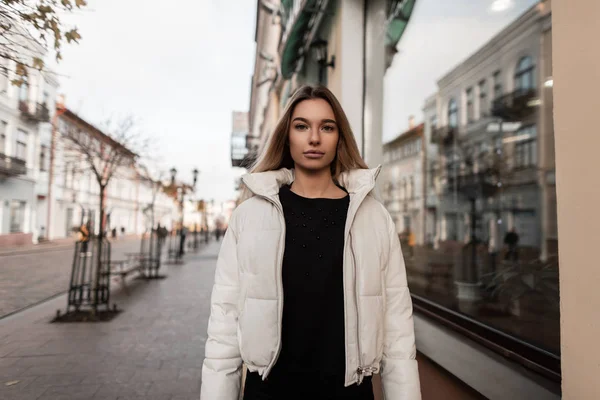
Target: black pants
308,388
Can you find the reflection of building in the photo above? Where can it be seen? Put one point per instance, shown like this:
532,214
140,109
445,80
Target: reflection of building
403,181
239,134
25,131
496,108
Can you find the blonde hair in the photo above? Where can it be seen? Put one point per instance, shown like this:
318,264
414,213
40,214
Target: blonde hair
276,154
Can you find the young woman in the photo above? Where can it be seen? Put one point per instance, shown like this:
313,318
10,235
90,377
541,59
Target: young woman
310,289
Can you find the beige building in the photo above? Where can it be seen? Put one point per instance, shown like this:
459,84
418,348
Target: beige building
321,42
403,182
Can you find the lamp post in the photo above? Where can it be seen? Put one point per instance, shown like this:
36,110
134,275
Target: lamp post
320,48
181,191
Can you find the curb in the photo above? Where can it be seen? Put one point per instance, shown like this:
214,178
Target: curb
50,248
37,303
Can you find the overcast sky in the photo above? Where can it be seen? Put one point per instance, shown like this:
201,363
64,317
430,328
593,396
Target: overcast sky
183,66
440,35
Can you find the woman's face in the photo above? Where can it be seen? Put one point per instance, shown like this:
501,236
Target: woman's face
313,135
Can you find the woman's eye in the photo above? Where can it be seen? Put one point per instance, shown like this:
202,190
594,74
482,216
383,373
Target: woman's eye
329,128
301,127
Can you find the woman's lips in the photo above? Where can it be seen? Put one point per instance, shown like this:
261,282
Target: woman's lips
313,154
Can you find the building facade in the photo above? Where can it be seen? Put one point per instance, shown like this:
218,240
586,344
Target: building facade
25,133
315,42
403,182
132,201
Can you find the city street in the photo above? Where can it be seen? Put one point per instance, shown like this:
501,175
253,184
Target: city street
153,350
33,275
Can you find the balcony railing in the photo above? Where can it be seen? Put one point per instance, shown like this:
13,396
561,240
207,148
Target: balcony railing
11,166
38,113
515,106
443,135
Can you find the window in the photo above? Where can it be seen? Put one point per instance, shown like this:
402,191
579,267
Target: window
452,114
21,150
483,106
524,75
3,126
68,175
470,105
3,75
24,90
497,84
43,155
526,148
17,216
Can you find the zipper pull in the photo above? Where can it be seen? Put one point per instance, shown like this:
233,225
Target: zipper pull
359,372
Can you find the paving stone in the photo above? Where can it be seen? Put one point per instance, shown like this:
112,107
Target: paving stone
190,373
178,386
27,393
124,389
71,392
145,375
59,380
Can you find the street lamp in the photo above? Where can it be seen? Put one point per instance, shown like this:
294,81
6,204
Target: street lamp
195,172
181,190
320,48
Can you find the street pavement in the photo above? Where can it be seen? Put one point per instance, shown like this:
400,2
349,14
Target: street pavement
28,276
153,350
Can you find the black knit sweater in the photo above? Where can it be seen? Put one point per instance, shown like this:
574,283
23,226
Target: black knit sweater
312,358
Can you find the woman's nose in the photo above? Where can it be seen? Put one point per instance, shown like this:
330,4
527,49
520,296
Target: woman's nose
314,138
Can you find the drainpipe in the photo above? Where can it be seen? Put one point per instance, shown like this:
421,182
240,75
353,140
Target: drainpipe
60,109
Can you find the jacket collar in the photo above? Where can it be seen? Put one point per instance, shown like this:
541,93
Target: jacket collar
268,183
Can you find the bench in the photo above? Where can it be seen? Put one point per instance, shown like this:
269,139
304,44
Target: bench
123,268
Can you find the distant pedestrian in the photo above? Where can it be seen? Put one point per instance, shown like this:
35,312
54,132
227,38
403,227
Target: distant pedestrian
511,240
84,237
412,241
311,231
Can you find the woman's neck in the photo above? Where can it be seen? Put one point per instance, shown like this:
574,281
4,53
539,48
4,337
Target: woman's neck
315,184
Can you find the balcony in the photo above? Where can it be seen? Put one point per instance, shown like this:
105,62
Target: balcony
443,135
472,185
515,106
34,112
11,166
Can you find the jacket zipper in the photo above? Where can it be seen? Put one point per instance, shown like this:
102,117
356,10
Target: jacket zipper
360,369
280,278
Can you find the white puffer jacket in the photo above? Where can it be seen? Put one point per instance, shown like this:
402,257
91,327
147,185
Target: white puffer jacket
247,298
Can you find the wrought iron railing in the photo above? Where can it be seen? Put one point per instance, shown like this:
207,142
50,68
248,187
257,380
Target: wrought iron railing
515,106
40,113
12,166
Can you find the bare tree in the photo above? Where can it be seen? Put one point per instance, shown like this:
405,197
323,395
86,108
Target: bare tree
156,186
28,28
106,156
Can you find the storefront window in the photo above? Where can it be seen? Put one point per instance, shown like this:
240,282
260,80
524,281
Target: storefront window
489,249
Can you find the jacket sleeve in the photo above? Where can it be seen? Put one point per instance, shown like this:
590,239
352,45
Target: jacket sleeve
399,371
222,368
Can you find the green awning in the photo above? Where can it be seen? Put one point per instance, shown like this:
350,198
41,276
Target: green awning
290,50
397,26
295,39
